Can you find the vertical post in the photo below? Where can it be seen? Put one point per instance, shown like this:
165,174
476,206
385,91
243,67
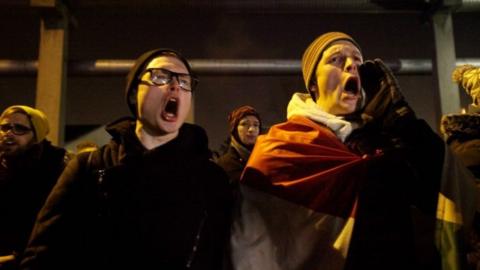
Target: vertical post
444,63
191,113
51,78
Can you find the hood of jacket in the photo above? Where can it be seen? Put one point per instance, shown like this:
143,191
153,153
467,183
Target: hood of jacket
192,139
462,127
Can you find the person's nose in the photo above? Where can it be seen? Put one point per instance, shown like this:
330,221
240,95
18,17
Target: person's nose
174,84
252,129
351,66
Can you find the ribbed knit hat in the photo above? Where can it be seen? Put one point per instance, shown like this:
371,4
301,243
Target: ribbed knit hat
140,64
236,115
313,53
468,77
37,118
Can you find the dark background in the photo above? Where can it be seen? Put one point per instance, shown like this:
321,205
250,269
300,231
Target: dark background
113,31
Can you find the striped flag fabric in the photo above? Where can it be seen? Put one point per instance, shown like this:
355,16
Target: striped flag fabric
300,195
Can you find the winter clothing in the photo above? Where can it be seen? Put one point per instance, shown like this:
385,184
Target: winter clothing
462,134
462,131
314,52
234,160
303,105
132,208
139,67
37,118
386,104
235,157
342,207
25,182
236,115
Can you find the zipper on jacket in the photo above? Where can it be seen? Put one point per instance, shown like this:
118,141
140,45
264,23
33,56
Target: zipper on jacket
196,242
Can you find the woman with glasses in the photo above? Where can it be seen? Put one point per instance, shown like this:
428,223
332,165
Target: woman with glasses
29,167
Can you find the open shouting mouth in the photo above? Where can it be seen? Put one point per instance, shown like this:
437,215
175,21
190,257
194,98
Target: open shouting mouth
351,86
170,111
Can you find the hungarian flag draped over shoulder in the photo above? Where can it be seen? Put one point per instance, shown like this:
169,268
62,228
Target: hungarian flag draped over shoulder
299,195
299,192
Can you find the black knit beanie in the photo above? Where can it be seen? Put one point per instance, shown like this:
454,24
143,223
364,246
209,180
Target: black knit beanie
139,66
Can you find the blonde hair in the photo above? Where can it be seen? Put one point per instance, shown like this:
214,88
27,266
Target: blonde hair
468,77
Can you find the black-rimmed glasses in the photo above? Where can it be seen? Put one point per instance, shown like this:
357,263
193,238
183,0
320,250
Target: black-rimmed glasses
17,129
161,76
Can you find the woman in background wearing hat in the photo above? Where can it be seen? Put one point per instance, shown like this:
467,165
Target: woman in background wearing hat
245,126
338,185
29,167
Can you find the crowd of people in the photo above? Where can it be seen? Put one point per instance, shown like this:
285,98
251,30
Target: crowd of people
353,179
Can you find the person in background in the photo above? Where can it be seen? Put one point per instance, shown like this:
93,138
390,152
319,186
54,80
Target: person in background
461,131
151,198
29,167
245,125
351,180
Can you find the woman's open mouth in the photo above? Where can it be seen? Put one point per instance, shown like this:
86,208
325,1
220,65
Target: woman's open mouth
351,86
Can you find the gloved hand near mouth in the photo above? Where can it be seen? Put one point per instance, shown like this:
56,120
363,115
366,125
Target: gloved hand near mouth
385,103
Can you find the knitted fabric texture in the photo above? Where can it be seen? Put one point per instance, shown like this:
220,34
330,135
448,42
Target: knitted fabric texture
461,127
236,115
314,52
37,118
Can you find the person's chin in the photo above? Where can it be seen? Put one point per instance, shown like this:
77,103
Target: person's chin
348,107
169,126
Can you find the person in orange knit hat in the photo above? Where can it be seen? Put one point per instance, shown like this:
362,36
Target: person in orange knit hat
334,186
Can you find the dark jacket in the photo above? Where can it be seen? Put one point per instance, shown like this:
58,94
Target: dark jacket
462,134
233,164
25,183
398,201
132,208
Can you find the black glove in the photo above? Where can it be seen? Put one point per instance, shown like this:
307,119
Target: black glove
385,103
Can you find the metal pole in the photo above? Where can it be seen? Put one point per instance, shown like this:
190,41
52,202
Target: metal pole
231,67
445,62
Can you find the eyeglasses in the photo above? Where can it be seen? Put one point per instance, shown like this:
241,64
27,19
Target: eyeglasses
161,76
17,129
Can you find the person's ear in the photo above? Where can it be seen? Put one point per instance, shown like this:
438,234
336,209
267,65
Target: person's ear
313,91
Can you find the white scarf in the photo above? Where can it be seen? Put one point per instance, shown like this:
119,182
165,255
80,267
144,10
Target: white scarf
303,105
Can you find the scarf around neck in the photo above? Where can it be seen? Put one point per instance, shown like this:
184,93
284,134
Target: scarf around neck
303,105
242,150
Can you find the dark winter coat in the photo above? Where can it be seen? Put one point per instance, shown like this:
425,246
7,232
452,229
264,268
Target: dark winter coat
25,183
233,164
462,133
132,208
